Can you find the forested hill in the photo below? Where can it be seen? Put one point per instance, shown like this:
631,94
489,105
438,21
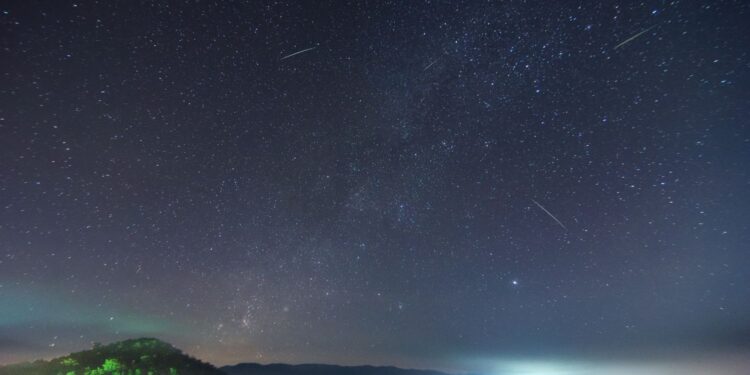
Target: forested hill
145,356
149,356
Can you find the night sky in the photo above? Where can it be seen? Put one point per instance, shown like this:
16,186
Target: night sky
517,187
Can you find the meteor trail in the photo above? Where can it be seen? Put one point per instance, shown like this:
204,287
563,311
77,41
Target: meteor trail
550,214
297,53
633,37
428,66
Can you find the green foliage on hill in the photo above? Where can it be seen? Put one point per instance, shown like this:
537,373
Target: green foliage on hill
145,356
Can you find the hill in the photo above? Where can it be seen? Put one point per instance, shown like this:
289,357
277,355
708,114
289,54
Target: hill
145,356
316,369
149,356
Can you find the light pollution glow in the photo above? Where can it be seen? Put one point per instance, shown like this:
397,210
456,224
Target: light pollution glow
735,363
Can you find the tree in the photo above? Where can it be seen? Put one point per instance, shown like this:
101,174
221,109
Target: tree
69,362
111,365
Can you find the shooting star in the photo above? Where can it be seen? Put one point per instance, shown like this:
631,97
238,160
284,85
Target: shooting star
633,37
297,53
428,66
550,214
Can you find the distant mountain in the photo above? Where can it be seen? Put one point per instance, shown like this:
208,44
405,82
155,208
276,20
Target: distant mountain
314,369
145,356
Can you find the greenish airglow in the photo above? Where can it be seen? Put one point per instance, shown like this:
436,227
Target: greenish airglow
31,306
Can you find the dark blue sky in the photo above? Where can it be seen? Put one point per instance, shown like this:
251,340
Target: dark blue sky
472,186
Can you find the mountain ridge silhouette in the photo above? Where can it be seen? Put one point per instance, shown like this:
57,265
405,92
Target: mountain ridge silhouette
151,356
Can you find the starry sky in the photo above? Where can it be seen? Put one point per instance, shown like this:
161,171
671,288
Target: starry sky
499,187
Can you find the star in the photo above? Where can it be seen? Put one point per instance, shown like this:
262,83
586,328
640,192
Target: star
304,179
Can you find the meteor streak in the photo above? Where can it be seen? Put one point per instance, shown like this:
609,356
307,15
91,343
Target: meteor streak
550,214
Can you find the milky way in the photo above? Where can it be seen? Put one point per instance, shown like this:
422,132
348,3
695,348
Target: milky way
468,186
